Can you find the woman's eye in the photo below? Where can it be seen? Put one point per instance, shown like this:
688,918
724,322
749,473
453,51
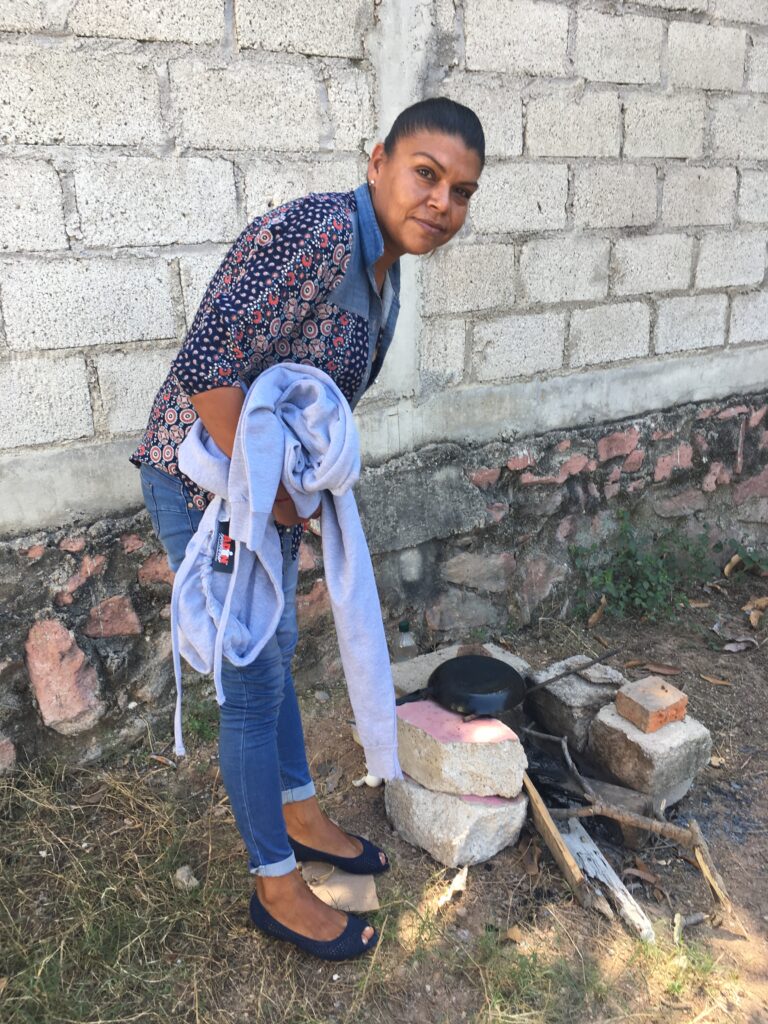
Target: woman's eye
425,172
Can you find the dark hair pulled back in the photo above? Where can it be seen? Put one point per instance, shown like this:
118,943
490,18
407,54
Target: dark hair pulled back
438,114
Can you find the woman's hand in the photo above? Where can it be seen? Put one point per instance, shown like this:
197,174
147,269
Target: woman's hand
284,510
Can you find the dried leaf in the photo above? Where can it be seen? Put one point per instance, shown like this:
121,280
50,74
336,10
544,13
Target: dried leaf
760,603
3,984
595,617
754,618
166,762
732,565
716,761
514,934
745,643
602,641
699,604
715,586
715,681
644,876
635,663
531,855
641,865
662,670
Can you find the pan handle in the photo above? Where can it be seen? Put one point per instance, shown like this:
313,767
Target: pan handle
562,675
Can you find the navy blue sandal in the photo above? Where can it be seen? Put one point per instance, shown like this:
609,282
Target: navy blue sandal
346,946
367,862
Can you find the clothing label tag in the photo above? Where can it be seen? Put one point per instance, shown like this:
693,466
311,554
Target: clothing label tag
224,550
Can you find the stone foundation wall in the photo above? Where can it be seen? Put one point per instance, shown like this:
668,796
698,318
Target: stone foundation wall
463,538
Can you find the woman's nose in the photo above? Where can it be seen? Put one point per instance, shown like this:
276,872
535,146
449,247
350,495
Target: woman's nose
439,196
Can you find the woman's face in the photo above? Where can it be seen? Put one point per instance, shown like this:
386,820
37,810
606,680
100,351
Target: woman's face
421,191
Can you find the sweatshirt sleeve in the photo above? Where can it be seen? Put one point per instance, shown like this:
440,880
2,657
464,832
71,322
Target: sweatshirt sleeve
281,266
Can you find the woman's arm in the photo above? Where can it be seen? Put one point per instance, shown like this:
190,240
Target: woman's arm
220,409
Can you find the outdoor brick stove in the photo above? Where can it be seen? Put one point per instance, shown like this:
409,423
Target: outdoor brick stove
461,799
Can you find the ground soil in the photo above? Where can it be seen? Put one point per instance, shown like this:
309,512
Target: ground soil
513,946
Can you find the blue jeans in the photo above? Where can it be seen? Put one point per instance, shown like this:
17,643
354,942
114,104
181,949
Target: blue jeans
261,743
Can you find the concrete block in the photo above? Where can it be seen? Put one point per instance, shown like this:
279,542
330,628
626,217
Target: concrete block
448,504
270,183
350,103
657,762
502,122
52,96
517,36
454,830
651,703
705,57
412,675
664,126
196,274
521,197
607,333
568,120
144,201
462,278
32,16
624,48
740,128
567,707
652,263
619,195
442,752
749,318
128,382
518,346
698,195
87,302
31,214
698,6
753,197
443,344
44,401
198,22
331,30
272,103
691,321
753,12
565,269
757,65
731,258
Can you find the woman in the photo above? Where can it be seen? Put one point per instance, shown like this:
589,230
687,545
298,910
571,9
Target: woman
314,281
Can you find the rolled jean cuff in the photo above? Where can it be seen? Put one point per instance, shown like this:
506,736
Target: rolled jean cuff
292,796
283,867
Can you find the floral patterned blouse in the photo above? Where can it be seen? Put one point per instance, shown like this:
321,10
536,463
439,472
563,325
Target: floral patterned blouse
297,285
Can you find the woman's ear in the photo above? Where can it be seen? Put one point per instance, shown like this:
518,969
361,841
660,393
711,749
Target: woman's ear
377,158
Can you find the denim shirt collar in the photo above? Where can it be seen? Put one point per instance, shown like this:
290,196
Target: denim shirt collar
371,240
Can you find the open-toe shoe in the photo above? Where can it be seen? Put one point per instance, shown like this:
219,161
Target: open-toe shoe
367,862
346,946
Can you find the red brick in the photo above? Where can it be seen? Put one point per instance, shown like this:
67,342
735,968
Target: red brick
700,442
636,485
730,413
620,443
72,544
614,475
634,461
752,487
680,458
757,417
651,703
705,414
314,605
91,565
683,504
113,617
65,685
35,552
497,510
564,445
521,461
610,490
485,477
662,435
718,474
576,464
155,569
131,542
529,479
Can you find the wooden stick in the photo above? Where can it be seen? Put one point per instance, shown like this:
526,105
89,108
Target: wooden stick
556,844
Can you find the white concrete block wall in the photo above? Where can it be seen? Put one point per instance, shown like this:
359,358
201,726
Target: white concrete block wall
621,222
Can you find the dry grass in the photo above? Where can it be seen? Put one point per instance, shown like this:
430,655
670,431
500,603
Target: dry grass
92,930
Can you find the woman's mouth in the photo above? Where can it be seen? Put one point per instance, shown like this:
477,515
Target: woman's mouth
434,230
